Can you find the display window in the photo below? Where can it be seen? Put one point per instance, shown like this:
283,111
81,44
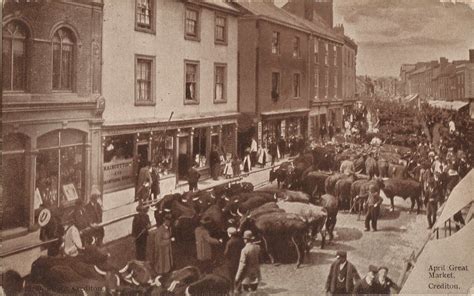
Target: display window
118,162
60,168
162,151
200,146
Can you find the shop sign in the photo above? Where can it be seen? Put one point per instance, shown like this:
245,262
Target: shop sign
259,131
283,128
44,217
118,174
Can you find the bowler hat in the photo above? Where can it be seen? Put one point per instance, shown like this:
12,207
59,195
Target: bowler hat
248,234
383,267
342,254
231,230
142,208
373,268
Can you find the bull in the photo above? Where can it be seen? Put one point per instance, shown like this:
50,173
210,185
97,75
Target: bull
282,175
313,184
218,282
342,190
405,188
331,204
360,191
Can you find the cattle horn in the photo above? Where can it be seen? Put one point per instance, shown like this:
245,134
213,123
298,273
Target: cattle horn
173,286
157,282
134,281
99,271
124,269
239,213
275,196
117,280
232,214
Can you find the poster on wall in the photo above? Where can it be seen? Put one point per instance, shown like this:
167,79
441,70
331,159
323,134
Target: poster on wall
70,192
118,175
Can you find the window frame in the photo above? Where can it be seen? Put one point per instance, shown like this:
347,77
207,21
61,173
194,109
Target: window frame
11,57
298,95
275,99
334,53
137,101
316,51
326,54
152,29
188,36
216,40
296,47
72,88
224,83
316,84
278,43
196,101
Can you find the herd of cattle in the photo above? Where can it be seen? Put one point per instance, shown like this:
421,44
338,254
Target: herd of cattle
286,221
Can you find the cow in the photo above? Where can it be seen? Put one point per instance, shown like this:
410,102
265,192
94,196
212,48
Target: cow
281,226
248,201
398,171
218,282
215,219
360,191
331,204
282,175
313,184
342,190
288,195
330,182
405,188
383,167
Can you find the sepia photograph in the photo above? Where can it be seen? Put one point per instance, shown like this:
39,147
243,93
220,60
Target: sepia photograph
237,147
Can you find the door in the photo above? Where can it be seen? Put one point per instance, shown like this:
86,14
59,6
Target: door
183,158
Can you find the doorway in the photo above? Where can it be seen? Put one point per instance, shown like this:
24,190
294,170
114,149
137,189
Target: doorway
184,162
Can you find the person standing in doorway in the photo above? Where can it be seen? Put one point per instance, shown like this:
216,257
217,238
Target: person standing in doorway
247,161
253,151
155,179
144,182
140,226
215,163
94,214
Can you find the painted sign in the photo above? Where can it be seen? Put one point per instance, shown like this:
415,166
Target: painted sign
118,174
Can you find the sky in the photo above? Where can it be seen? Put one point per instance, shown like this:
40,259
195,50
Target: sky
393,32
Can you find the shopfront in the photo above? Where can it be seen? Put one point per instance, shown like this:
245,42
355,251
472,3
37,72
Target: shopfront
172,149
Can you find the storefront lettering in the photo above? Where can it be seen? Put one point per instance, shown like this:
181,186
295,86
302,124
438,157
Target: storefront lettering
118,174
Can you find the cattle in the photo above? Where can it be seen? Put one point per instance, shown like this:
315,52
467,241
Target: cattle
313,184
215,221
404,188
330,183
282,174
331,204
360,191
398,171
359,164
342,190
219,282
280,225
383,167
371,168
315,216
288,195
323,158
248,201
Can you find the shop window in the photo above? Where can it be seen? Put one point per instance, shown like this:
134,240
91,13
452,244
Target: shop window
15,202
162,151
63,56
191,83
118,162
275,86
60,167
200,146
14,56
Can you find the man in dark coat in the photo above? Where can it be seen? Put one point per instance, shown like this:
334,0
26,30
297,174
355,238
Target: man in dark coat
273,149
342,276
144,182
384,283
232,251
155,179
140,226
193,178
94,214
368,285
373,208
81,220
214,161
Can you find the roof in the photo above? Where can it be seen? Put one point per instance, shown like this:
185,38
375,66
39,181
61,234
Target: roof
272,13
461,196
455,250
217,4
448,105
319,26
419,70
448,71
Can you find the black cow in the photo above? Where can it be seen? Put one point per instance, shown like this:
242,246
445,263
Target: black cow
405,188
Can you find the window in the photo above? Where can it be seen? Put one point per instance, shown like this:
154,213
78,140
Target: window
316,83
144,15
192,24
63,46
144,68
326,50
14,56
334,54
335,79
296,85
192,80
276,43
220,73
275,86
326,84
200,147
221,29
296,47
316,51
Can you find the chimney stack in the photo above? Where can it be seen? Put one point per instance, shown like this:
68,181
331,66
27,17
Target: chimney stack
471,55
339,29
324,9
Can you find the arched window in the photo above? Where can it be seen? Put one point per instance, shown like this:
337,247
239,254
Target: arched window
63,53
14,56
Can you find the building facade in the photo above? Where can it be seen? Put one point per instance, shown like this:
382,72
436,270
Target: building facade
51,111
273,73
177,95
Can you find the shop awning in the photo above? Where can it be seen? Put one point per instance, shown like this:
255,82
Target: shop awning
461,196
455,250
448,105
285,113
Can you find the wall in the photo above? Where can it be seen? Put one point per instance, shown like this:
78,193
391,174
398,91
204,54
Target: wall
170,49
248,46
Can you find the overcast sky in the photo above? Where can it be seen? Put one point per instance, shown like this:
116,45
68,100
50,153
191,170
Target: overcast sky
392,32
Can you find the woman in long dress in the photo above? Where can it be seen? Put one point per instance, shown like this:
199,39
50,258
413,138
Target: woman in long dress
162,254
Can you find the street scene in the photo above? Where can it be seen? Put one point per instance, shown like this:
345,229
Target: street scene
237,147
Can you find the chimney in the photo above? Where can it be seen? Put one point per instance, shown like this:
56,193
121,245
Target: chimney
339,29
324,9
301,8
443,62
471,55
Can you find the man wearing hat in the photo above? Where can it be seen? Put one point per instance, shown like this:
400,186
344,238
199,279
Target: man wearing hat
193,177
248,272
204,243
373,208
384,283
140,226
368,285
347,166
233,249
94,215
342,276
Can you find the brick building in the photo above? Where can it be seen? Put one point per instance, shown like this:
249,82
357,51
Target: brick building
51,111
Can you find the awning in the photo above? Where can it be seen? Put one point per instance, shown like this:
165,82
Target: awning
455,250
461,196
285,113
448,105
